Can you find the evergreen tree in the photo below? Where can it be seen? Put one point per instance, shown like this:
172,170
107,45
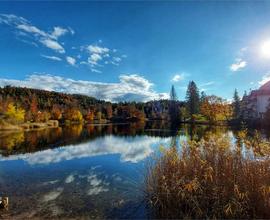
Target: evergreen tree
203,96
173,95
192,98
236,105
174,110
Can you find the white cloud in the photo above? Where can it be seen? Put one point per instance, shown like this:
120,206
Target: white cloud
116,60
94,58
136,81
52,44
265,79
95,70
71,60
132,87
11,19
238,65
98,50
52,57
178,77
71,30
100,55
31,29
58,32
25,29
207,84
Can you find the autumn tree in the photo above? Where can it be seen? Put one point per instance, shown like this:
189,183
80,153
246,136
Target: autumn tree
89,116
215,108
56,113
34,108
14,114
99,115
73,115
43,116
109,111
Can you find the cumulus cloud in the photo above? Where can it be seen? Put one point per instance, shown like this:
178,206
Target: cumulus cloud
130,87
238,65
52,57
98,56
178,77
26,29
71,60
129,150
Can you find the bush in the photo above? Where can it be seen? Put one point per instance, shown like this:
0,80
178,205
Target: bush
199,118
211,178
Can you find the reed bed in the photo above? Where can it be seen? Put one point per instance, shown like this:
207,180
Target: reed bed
211,178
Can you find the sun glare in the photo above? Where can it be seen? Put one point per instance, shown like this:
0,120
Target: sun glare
265,49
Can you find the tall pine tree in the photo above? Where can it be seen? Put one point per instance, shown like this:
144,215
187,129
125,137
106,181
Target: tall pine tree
236,105
174,109
173,95
193,98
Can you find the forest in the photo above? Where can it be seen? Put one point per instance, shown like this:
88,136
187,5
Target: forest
26,105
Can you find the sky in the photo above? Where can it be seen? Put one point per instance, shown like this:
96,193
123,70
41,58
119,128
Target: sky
135,51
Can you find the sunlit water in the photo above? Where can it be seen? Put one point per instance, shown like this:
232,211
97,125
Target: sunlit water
90,171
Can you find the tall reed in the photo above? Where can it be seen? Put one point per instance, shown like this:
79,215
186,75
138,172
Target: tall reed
211,178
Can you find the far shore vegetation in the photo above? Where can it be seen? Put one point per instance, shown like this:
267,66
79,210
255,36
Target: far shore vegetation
25,108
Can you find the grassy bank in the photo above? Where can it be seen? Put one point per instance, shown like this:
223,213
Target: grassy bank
5,126
211,178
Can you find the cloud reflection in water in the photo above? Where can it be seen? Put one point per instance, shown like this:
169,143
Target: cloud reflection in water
131,149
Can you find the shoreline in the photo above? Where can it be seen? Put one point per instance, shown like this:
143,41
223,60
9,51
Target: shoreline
29,126
32,126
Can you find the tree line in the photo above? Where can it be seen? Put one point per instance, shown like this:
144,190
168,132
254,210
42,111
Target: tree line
18,105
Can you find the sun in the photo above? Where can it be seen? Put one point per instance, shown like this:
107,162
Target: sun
265,49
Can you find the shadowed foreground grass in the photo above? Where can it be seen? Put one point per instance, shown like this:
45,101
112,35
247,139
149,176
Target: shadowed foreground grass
212,178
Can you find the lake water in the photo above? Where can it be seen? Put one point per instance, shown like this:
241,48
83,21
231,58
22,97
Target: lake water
84,171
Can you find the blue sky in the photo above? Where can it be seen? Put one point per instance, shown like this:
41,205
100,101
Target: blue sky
135,50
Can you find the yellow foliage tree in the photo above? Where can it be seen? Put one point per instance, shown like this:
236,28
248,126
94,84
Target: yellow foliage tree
15,114
215,109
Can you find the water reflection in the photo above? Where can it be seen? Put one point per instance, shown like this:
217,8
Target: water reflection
85,171
130,149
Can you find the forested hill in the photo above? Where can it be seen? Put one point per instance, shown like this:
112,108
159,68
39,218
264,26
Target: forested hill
41,105
45,99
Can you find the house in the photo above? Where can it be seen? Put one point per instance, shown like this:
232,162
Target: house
257,102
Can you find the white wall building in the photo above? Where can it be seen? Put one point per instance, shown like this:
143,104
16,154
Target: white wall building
257,102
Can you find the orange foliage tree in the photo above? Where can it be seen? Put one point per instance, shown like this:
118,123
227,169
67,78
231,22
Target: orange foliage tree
215,108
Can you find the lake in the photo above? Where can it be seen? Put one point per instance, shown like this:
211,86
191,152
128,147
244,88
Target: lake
94,171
